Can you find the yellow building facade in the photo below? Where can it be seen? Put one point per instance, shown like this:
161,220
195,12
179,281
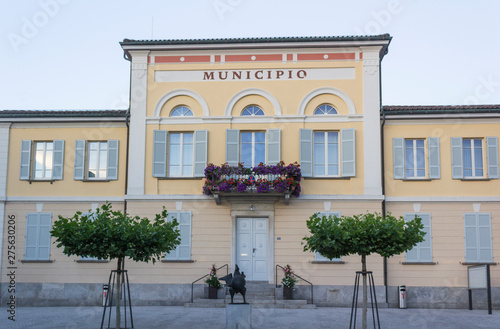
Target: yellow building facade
196,104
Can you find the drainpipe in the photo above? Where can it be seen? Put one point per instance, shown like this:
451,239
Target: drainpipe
383,173
127,122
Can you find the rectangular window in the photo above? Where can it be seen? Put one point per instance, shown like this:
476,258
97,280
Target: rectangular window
253,148
42,160
422,252
92,217
180,154
183,250
326,153
317,256
38,236
414,158
472,151
478,244
96,160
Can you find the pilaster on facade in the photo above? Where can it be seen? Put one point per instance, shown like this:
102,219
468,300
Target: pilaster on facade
4,160
138,108
371,122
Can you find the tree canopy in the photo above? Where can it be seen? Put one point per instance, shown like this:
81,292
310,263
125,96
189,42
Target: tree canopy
108,234
364,234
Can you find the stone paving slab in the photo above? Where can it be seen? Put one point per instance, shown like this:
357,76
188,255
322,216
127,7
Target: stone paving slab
185,318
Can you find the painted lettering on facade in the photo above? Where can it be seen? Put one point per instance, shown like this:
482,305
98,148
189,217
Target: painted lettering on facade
254,75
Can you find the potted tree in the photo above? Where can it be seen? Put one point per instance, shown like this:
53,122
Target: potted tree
213,283
288,282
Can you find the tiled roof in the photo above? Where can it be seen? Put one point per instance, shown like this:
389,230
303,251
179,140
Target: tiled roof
129,42
62,113
440,109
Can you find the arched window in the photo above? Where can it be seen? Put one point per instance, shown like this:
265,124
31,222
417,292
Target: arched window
181,111
325,109
252,111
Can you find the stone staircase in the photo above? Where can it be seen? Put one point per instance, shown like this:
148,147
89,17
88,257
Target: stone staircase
260,294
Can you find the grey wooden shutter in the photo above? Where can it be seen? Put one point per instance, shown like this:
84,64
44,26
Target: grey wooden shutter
79,173
434,158
200,152
232,147
31,248
44,236
306,152
412,255
348,152
160,153
492,156
25,167
484,235
112,170
425,247
183,250
58,159
398,157
317,256
457,169
273,146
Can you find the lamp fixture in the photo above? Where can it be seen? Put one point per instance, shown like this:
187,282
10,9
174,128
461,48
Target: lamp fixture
252,208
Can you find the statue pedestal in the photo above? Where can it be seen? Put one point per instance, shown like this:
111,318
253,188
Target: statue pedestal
238,316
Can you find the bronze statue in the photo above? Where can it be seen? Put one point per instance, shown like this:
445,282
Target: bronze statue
236,284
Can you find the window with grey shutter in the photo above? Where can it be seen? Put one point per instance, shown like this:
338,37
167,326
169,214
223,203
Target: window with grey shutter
112,169
25,167
58,160
306,151
317,256
434,158
492,157
457,169
273,146
38,236
232,147
160,153
348,152
478,244
422,252
79,173
183,250
200,152
398,158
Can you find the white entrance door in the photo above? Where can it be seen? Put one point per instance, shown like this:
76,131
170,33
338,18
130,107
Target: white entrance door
251,247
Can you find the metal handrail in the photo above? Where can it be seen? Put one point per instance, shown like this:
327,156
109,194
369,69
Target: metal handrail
298,276
192,284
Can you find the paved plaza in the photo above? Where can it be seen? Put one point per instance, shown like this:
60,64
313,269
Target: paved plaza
180,317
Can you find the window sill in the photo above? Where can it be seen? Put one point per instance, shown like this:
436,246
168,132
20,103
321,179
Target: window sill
92,261
94,180
474,179
41,180
418,263
417,179
332,178
478,263
24,261
327,262
179,178
177,260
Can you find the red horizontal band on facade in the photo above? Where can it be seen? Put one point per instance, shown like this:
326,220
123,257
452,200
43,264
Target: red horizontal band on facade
182,59
257,58
289,57
326,57
360,55
217,58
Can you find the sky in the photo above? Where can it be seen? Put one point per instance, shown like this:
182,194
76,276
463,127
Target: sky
65,54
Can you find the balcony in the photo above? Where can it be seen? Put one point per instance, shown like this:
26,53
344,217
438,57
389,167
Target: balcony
263,182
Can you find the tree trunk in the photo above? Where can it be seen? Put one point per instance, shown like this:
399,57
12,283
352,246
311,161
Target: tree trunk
118,292
365,296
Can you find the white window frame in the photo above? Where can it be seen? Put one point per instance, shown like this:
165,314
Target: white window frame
328,108
98,162
182,111
44,160
473,158
258,112
325,150
181,154
415,158
253,164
